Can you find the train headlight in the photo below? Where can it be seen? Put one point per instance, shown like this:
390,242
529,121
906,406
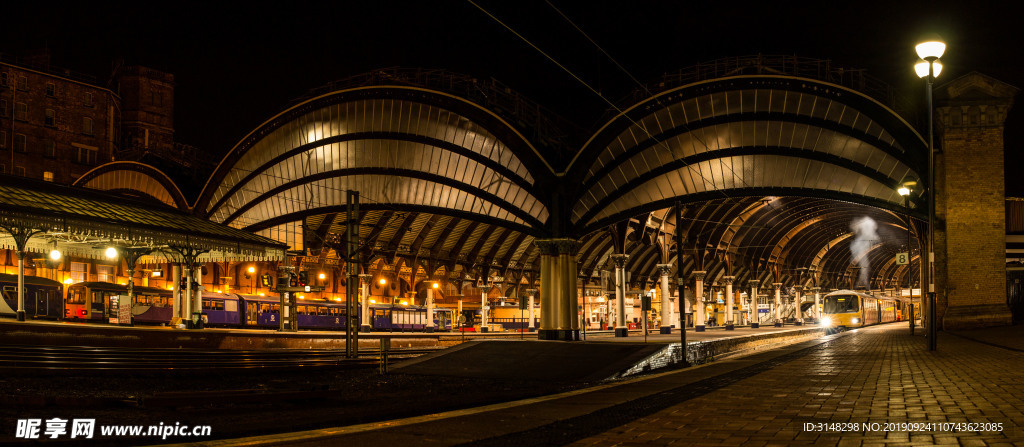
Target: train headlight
855,320
826,321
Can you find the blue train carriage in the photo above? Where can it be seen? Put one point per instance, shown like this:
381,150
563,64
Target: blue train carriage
260,311
848,309
265,312
222,309
44,298
321,314
151,305
408,318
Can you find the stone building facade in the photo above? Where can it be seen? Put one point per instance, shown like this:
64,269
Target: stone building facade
56,125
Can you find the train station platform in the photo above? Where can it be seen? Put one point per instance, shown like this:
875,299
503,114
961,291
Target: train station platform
872,386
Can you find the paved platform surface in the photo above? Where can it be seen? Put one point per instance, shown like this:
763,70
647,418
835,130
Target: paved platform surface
857,388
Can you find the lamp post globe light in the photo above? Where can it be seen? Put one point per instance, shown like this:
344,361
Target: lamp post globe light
929,67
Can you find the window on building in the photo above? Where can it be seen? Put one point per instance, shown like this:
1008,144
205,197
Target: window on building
19,170
78,270
86,156
88,99
3,79
3,107
51,118
3,139
105,273
50,149
87,125
48,176
157,98
20,142
22,83
21,111
51,89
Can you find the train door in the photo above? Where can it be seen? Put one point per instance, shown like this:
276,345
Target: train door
42,303
251,309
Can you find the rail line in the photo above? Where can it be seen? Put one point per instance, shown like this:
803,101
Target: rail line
18,358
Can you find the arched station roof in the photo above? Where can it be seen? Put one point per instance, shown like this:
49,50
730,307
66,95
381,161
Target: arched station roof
136,180
770,164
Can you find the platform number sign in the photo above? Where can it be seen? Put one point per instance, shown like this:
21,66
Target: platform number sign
902,258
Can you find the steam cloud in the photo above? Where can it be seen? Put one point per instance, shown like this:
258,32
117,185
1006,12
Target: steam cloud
864,234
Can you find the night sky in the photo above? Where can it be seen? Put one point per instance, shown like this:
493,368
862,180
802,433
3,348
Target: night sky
237,64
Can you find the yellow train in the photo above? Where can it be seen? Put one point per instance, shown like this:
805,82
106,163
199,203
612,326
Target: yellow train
848,309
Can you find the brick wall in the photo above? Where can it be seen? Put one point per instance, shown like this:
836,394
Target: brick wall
970,202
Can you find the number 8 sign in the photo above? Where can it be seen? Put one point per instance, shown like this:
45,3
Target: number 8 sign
902,258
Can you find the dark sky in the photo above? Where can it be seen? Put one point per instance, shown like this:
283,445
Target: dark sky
237,64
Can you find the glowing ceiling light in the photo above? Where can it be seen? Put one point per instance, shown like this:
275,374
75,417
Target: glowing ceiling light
323,276
55,255
252,269
111,253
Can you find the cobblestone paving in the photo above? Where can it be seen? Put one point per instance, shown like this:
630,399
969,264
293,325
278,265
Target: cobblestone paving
863,382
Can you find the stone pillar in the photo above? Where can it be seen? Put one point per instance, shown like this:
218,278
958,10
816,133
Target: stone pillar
21,287
484,286
364,301
530,325
817,302
186,299
798,299
197,303
666,299
729,303
778,304
753,314
176,292
559,303
621,329
970,207
430,325
698,301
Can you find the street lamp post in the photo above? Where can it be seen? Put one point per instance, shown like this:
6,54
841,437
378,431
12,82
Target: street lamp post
905,192
929,68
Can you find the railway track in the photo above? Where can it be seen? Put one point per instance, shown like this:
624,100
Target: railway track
30,359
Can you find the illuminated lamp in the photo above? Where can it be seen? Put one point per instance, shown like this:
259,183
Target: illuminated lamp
322,275
68,280
111,253
436,285
405,303
383,281
55,255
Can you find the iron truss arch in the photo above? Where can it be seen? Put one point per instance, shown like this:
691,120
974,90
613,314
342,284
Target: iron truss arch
134,179
745,135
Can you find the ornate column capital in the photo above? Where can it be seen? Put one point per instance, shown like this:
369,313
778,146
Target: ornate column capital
816,289
665,269
798,288
699,275
557,246
777,285
619,259
531,292
364,278
728,280
753,282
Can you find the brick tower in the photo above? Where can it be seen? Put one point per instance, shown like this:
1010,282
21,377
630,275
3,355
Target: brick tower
970,234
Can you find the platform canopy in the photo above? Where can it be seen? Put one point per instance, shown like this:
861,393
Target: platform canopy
83,222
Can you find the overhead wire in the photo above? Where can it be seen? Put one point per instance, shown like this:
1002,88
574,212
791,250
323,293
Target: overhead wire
614,106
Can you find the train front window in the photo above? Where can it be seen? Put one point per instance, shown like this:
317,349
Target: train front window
841,304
